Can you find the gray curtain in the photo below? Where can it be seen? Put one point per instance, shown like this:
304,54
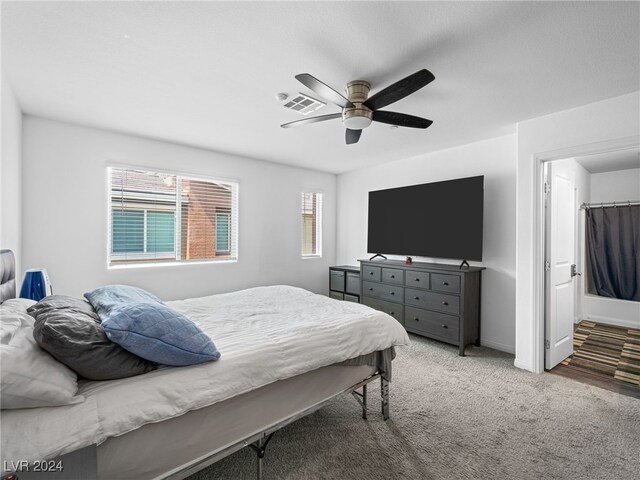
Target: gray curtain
613,241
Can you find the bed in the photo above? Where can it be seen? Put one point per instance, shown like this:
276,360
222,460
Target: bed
286,352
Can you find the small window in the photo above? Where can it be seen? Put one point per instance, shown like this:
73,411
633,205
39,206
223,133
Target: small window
223,232
311,224
158,217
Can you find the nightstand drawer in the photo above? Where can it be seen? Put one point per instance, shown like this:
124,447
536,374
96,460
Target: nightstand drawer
336,295
371,273
337,280
353,283
445,283
380,290
417,279
432,300
351,298
393,309
425,322
392,275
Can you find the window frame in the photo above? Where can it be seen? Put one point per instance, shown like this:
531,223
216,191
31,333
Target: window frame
318,223
171,261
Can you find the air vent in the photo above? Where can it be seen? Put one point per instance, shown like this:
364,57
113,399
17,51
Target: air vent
304,104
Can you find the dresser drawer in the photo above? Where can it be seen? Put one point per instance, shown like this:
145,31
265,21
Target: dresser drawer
371,273
336,281
393,309
445,283
425,322
353,283
380,290
416,279
393,275
432,300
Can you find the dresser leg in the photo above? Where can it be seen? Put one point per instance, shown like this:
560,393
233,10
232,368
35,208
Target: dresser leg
461,350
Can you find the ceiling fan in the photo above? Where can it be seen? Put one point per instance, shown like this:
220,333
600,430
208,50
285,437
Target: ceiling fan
358,111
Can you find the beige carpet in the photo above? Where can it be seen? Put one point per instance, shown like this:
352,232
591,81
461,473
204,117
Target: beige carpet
474,417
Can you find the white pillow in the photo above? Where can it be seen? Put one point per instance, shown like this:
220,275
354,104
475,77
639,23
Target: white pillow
29,376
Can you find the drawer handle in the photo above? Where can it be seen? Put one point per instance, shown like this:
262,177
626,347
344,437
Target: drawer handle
392,293
444,326
445,303
370,273
417,279
416,319
371,289
391,313
393,276
445,283
416,298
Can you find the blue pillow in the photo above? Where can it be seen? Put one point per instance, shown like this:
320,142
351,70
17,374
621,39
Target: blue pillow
157,333
104,299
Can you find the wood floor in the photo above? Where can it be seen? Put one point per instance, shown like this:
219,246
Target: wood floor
605,356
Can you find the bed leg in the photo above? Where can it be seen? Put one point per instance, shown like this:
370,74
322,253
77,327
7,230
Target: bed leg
361,398
260,447
260,464
364,401
384,387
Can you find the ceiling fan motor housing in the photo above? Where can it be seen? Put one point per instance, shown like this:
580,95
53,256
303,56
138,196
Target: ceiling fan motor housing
358,116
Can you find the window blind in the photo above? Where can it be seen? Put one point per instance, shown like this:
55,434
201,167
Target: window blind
311,224
162,217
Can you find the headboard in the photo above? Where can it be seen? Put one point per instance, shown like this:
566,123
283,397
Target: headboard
7,275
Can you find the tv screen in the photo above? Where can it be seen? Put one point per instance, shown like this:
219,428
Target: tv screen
440,219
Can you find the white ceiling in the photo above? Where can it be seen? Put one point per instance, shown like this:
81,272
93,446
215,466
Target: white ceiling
206,73
611,161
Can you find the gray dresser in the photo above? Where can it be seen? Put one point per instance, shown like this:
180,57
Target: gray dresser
344,283
429,299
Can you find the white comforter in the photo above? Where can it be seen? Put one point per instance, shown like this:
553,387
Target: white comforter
265,334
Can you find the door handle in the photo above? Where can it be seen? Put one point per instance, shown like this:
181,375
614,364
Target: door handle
573,271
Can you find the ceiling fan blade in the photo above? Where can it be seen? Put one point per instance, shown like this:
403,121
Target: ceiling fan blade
324,90
400,119
305,121
400,89
352,136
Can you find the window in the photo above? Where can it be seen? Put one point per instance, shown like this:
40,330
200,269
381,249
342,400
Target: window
311,224
159,217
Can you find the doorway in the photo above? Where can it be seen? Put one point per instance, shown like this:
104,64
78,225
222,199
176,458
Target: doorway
581,330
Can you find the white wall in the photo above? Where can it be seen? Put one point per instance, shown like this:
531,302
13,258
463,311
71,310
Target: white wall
11,176
584,128
495,159
618,186
65,210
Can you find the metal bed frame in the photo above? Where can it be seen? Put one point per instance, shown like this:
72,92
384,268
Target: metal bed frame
259,441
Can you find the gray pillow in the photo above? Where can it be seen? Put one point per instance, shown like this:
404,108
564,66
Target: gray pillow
75,338
56,302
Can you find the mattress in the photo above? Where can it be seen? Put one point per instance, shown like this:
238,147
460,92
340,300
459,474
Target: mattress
265,334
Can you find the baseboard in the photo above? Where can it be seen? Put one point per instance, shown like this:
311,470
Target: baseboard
498,346
617,322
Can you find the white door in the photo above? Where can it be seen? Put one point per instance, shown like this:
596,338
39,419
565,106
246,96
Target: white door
560,269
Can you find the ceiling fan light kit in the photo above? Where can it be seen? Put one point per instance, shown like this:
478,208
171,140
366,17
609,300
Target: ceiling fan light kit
359,110
358,116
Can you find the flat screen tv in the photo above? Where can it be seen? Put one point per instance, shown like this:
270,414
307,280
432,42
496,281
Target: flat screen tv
440,219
